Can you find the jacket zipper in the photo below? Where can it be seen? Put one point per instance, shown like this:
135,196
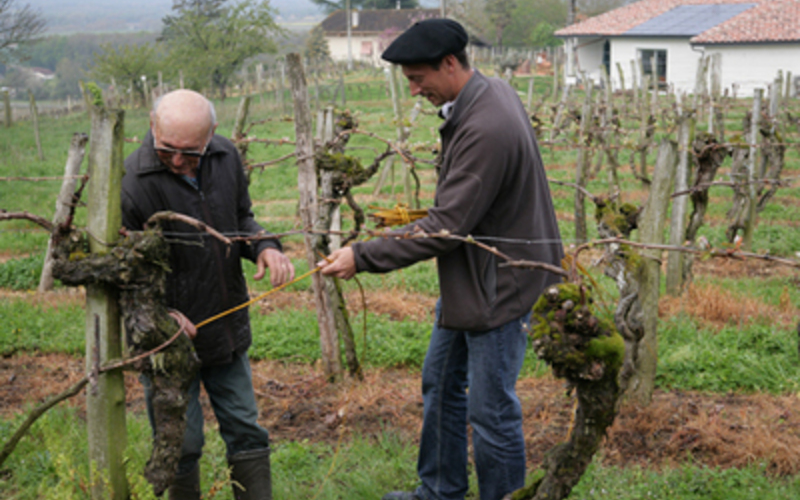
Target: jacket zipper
220,268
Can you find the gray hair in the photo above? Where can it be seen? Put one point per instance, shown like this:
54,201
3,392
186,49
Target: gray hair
211,110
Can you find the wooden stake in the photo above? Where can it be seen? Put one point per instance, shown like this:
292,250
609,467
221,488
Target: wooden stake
752,193
105,401
677,231
35,120
309,208
582,165
77,150
328,211
238,132
7,105
651,230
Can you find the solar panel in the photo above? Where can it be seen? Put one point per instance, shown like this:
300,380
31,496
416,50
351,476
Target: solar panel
688,20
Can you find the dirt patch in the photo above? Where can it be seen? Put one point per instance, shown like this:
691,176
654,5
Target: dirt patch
736,268
397,304
59,297
717,307
296,403
6,255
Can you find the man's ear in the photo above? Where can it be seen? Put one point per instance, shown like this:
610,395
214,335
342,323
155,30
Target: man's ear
451,63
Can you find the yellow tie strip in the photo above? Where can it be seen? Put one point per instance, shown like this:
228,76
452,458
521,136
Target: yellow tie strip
401,209
251,301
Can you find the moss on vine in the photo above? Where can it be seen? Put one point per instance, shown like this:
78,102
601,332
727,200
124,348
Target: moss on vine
567,335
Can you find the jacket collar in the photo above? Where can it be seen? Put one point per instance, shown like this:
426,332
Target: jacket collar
474,87
149,161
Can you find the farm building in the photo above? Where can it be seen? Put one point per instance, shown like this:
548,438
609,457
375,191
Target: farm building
371,31
754,39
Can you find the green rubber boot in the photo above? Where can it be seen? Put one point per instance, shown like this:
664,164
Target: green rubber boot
250,475
186,486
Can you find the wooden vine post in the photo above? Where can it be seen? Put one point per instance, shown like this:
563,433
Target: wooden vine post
582,165
77,150
238,134
677,231
651,225
105,400
35,121
752,191
715,91
329,208
309,210
7,106
606,135
402,137
773,150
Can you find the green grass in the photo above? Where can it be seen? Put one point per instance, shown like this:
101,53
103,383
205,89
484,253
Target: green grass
50,462
41,328
744,358
687,482
22,273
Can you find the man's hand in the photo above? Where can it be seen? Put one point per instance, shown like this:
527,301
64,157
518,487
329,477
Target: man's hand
188,327
280,267
340,264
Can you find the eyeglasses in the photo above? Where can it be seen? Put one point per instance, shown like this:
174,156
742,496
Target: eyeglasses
182,152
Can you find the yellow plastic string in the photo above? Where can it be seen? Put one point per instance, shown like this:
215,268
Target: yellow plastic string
251,301
403,211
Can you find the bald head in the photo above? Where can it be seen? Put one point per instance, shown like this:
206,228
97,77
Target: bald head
182,123
184,111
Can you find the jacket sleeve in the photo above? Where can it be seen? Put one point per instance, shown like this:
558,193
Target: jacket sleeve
133,218
464,195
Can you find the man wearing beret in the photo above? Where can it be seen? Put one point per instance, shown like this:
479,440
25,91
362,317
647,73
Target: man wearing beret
492,186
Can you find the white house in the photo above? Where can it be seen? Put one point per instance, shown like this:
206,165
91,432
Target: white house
755,39
371,31
41,73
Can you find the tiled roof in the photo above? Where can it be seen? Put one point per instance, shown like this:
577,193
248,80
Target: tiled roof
376,21
774,21
767,21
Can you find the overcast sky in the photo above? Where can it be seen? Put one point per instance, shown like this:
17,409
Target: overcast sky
86,16
70,16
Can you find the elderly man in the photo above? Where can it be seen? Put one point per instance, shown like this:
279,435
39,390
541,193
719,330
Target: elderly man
184,167
492,186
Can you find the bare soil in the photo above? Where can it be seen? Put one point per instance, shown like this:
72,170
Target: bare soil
296,403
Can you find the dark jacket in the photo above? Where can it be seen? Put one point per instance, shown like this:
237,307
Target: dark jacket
491,185
206,276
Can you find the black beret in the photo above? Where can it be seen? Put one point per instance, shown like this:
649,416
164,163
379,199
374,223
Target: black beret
426,41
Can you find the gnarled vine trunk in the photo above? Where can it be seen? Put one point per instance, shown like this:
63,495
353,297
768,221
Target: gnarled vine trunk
588,353
137,266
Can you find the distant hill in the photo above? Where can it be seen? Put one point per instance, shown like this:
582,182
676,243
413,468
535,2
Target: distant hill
96,16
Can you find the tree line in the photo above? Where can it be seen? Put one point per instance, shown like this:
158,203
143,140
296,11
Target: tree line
207,41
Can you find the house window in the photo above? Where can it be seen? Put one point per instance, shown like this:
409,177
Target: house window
607,56
660,69
366,48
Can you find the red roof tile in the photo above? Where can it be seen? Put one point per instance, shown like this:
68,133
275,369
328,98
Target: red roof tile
774,21
769,21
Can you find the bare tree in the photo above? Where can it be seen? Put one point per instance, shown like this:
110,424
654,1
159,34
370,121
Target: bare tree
18,24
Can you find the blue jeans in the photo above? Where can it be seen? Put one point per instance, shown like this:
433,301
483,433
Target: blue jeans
230,390
488,363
